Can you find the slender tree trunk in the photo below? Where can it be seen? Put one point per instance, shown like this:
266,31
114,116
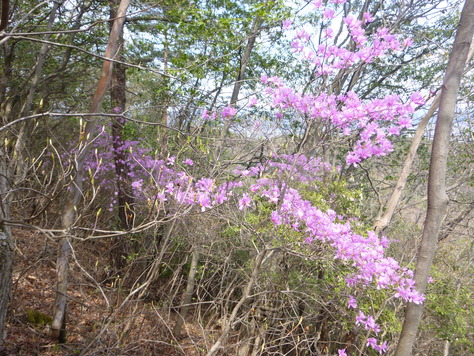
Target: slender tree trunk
5,12
188,294
26,129
75,187
437,197
6,246
126,213
6,77
383,221
257,23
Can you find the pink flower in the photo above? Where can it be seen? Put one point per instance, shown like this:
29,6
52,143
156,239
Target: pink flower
341,352
161,196
188,162
381,348
228,111
303,35
205,184
368,17
137,184
204,200
329,32
360,318
417,98
328,13
370,324
276,218
244,201
286,24
371,341
352,302
351,21
253,101
352,159
417,298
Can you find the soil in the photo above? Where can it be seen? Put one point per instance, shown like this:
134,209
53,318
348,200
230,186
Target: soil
101,321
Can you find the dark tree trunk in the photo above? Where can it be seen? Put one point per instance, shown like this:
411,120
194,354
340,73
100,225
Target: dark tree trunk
75,187
6,247
125,198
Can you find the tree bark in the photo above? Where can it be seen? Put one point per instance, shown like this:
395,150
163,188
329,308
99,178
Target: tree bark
118,99
75,186
4,18
6,246
188,294
437,196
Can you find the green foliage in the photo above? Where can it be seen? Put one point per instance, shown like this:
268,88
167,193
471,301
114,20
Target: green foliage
450,305
38,318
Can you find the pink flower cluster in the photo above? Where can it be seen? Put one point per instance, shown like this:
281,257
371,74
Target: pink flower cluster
373,120
227,112
329,58
366,254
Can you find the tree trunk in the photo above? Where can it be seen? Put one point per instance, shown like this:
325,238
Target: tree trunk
126,213
383,221
437,197
188,294
26,129
6,246
75,186
257,23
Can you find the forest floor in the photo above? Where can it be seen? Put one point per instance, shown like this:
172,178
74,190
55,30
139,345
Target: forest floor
96,324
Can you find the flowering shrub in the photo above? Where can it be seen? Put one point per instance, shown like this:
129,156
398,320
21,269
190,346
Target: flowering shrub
160,185
156,180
